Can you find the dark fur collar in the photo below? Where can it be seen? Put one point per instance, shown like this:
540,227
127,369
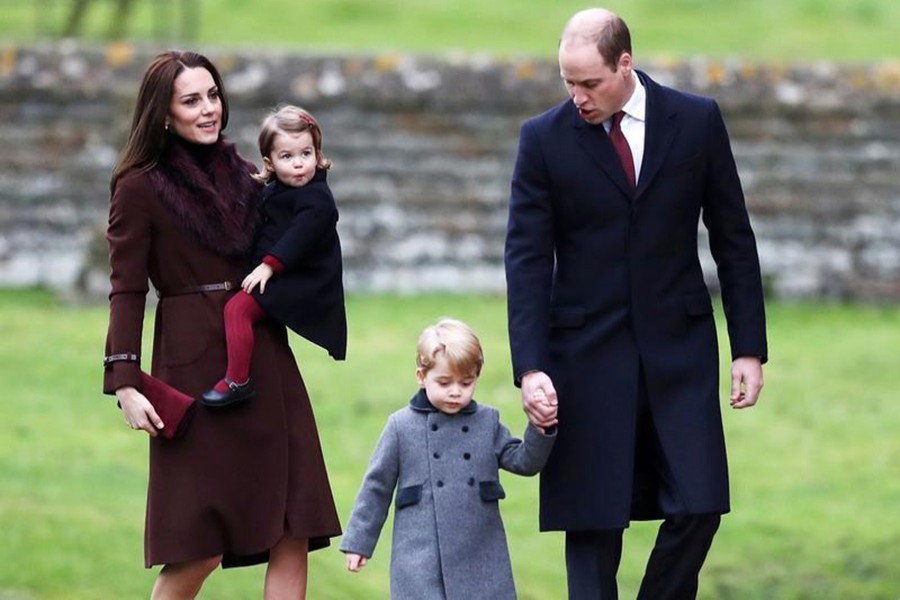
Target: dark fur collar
210,193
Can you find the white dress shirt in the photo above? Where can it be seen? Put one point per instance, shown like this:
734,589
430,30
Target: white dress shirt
634,124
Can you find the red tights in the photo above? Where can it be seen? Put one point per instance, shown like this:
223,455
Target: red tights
241,312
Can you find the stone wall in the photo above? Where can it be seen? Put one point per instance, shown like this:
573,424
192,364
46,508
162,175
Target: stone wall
423,150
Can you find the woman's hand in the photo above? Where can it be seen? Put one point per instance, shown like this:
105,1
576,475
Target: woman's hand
260,275
138,412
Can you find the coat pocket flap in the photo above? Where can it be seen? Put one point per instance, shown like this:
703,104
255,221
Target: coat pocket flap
408,496
698,304
567,316
491,491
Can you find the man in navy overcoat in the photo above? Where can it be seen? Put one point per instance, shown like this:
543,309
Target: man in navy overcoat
609,312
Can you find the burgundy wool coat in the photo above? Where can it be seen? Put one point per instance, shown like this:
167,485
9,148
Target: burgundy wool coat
239,479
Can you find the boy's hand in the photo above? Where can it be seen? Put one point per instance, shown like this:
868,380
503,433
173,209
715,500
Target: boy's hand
539,399
260,275
355,562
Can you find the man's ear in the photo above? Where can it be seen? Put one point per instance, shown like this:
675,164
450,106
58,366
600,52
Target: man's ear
625,64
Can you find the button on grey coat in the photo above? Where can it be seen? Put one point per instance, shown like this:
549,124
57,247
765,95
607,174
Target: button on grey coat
448,540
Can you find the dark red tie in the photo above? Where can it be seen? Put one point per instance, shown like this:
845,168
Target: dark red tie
621,145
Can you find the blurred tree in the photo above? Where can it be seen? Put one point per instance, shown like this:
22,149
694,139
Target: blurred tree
172,19
75,20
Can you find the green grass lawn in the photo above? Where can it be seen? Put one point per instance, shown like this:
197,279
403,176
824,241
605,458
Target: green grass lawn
759,29
815,467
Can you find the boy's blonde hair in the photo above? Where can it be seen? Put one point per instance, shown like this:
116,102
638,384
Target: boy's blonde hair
287,118
456,341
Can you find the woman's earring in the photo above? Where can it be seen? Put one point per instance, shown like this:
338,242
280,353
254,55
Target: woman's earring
167,125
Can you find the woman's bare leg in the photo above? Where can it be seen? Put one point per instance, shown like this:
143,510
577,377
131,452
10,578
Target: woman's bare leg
182,581
286,575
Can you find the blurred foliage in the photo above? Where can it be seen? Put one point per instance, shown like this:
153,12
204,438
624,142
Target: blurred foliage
754,29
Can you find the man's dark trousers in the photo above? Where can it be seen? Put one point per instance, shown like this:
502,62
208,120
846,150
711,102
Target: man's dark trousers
683,541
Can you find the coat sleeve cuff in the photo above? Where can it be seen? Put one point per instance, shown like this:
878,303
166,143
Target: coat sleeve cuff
539,443
121,374
357,546
277,265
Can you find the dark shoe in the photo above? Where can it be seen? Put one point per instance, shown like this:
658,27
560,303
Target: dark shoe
237,392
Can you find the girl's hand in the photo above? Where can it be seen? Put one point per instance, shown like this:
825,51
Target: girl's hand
138,412
355,562
260,275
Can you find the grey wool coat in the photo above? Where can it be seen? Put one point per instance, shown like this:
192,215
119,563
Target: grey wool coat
448,540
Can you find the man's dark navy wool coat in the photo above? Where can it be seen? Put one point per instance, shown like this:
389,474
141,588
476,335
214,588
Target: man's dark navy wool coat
604,283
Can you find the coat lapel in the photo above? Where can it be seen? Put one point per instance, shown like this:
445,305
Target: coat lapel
660,129
594,141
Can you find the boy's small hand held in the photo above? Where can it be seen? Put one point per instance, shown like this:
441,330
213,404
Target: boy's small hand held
539,399
355,562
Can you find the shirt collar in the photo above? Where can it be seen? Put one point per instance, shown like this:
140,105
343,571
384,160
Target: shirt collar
636,107
420,403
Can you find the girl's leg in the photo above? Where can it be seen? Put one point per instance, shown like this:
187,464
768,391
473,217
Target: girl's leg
286,574
241,312
182,581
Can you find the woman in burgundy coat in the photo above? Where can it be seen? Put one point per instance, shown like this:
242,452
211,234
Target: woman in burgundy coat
241,486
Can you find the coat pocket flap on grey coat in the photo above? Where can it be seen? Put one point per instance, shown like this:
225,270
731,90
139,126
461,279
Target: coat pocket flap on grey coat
698,305
408,496
491,491
567,316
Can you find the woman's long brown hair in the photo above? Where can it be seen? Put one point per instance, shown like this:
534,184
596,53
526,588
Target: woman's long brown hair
147,138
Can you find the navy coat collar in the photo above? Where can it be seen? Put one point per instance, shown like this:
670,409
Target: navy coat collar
275,186
420,403
660,129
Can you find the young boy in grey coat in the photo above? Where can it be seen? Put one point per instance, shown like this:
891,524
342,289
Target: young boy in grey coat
443,454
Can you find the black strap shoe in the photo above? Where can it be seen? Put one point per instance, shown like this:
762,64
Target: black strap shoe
237,392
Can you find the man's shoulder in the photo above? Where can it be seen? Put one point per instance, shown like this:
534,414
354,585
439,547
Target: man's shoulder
674,98
552,117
